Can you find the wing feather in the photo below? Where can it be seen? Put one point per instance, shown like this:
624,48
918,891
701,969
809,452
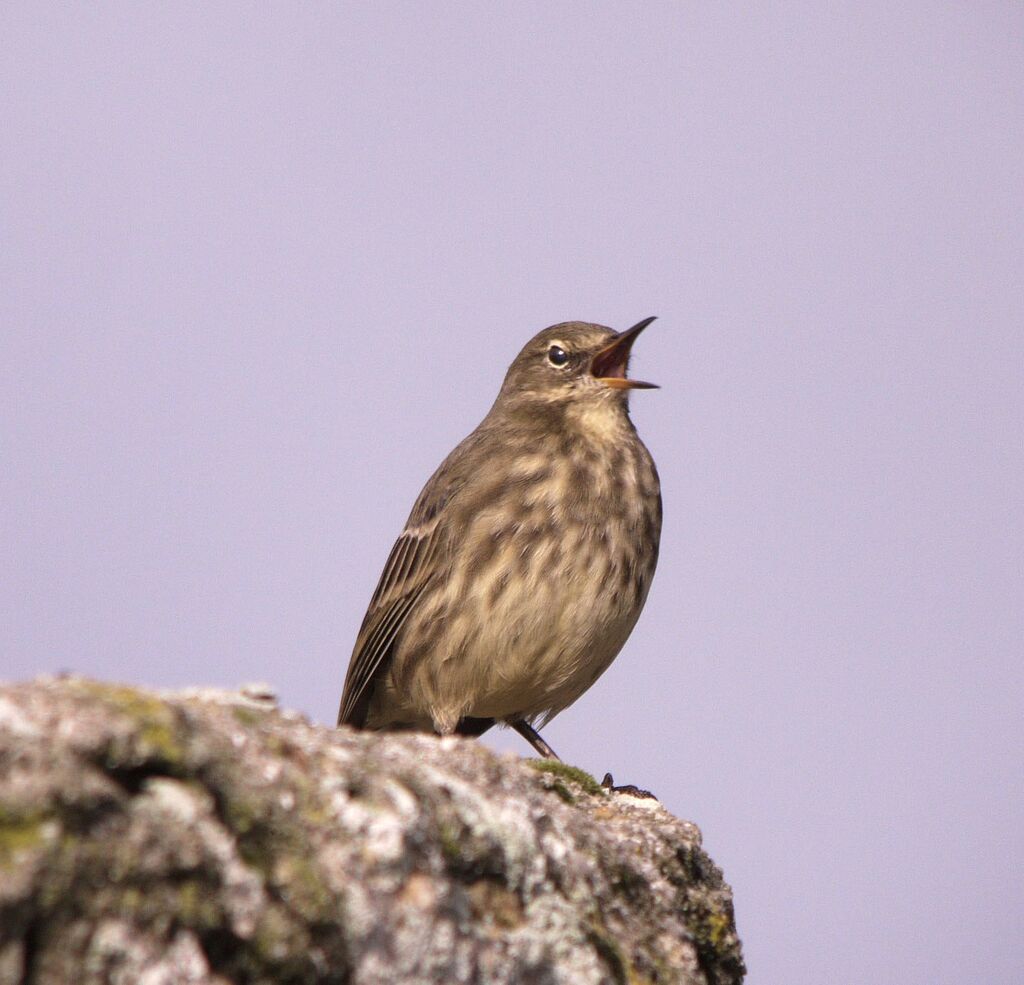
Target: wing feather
417,559
406,574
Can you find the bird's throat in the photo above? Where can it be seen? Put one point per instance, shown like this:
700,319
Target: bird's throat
601,420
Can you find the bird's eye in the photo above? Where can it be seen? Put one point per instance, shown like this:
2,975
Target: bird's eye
557,356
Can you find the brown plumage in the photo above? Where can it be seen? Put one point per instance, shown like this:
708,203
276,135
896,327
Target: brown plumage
527,558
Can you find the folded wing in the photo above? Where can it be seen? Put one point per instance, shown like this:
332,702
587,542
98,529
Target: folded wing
408,571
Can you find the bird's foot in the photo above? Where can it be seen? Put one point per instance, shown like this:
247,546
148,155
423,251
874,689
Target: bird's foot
628,788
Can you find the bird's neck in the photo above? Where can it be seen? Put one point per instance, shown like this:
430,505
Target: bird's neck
601,420
593,421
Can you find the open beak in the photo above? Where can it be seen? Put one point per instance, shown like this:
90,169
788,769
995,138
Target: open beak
611,363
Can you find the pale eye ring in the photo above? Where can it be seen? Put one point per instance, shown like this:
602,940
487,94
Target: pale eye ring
557,356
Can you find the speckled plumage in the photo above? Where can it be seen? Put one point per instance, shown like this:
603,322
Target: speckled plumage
526,560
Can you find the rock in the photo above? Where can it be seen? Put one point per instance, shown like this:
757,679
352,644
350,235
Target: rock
208,837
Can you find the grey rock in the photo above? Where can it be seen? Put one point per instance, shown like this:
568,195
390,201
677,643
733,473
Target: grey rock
208,837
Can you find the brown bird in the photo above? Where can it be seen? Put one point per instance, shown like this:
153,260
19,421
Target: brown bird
527,558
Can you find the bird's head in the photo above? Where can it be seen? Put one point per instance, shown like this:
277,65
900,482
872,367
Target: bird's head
574,363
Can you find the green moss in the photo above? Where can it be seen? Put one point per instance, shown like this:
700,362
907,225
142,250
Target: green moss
450,836
18,832
242,815
563,791
257,848
308,802
631,885
278,745
195,906
572,773
302,886
711,928
131,901
714,933
493,903
278,940
689,861
190,902
611,953
247,716
154,718
718,928
61,871
269,842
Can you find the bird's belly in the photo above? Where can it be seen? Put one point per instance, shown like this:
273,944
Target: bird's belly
542,654
526,640
540,595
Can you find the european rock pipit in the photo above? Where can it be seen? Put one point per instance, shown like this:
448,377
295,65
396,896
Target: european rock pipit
527,558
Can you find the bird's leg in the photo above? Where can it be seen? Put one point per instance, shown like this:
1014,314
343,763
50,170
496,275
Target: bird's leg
473,726
528,732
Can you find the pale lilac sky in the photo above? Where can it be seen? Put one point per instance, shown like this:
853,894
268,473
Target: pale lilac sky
263,266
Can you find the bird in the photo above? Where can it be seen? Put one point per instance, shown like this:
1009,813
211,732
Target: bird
527,557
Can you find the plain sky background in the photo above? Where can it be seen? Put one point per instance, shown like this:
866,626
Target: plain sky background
264,265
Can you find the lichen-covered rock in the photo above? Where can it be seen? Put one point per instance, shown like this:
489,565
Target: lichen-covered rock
207,837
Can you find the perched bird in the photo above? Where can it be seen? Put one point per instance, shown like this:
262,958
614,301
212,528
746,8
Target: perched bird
527,558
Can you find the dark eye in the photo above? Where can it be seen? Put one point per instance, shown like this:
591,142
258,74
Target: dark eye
557,356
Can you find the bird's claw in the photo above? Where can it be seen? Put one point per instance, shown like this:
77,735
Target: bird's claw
628,788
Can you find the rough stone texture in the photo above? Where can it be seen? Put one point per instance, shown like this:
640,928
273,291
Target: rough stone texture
207,837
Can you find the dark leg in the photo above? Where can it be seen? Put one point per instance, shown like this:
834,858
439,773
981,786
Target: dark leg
473,726
528,732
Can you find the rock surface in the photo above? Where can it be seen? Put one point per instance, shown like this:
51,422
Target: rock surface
208,837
